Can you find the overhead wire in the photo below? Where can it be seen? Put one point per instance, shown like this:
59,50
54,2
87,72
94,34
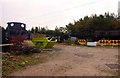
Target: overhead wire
66,9
58,11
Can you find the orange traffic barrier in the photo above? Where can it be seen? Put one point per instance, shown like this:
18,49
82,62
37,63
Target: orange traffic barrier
114,42
106,42
109,42
119,42
101,42
82,42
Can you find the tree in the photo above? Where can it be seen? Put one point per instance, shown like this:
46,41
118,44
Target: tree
50,32
32,30
89,25
39,29
36,29
43,30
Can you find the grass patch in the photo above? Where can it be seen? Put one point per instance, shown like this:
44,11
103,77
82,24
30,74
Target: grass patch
11,63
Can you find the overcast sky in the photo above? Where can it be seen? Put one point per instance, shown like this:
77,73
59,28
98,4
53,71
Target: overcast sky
52,13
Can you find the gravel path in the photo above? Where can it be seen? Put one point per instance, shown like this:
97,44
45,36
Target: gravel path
75,61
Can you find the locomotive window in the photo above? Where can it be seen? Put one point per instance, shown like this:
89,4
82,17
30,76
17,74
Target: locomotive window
12,24
22,25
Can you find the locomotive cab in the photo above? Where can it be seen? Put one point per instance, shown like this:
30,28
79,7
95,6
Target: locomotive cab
17,31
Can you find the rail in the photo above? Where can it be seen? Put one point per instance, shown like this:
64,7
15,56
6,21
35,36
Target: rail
5,45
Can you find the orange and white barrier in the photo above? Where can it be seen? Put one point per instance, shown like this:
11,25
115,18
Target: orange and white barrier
119,42
82,42
103,42
114,42
109,42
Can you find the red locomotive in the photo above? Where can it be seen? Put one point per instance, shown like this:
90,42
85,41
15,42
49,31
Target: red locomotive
16,33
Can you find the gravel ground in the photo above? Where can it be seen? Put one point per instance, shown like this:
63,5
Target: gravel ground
75,61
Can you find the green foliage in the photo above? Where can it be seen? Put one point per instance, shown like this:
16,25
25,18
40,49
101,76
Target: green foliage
88,25
12,63
84,26
45,30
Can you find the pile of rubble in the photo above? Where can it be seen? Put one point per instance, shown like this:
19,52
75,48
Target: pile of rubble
10,62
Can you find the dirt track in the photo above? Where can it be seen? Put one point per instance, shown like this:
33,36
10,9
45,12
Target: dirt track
75,61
